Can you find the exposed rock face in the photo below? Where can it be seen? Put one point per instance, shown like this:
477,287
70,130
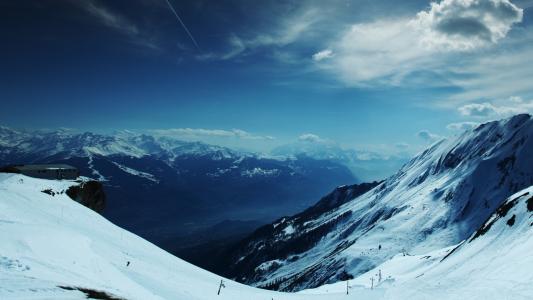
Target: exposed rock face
89,193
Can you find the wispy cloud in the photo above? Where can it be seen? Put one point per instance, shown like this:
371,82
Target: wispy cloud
110,19
188,133
373,53
495,75
286,32
117,22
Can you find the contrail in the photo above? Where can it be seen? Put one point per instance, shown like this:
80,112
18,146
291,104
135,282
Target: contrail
183,24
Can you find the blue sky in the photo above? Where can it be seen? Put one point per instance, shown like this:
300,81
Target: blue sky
384,76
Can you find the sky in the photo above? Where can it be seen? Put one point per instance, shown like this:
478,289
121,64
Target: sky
384,76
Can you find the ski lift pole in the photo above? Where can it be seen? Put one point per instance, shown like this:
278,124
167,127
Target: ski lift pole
347,287
220,286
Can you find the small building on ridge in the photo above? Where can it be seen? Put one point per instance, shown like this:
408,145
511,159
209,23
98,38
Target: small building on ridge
48,171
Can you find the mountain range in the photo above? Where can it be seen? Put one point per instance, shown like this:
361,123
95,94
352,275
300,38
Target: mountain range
164,189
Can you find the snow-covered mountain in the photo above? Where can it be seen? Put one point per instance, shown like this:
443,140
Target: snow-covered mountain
163,188
27,145
435,201
54,248
494,262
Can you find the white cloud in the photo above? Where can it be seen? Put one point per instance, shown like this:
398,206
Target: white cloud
462,126
324,54
290,30
387,51
467,24
188,133
478,109
376,51
311,138
428,136
505,108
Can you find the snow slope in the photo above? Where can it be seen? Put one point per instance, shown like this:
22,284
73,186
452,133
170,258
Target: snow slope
495,262
52,245
435,201
51,241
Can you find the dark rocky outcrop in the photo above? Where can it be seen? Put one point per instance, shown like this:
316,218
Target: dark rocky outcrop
89,193
91,293
501,212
